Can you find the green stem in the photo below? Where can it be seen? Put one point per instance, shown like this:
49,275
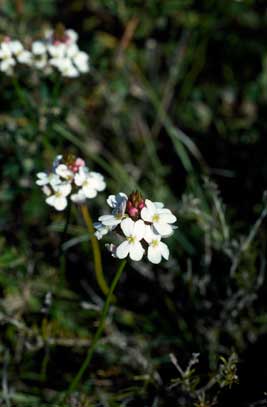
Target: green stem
99,331
65,230
96,251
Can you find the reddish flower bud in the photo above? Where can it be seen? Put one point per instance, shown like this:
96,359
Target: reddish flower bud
141,205
133,212
134,205
79,162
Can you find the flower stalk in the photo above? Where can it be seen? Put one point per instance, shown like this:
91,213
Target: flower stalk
96,250
99,331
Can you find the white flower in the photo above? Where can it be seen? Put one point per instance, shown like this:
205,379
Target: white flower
79,197
118,202
23,56
111,220
89,182
161,218
40,61
64,172
72,50
101,185
57,161
58,200
64,180
38,48
57,50
39,54
156,249
6,59
118,205
134,232
66,67
81,60
45,179
72,36
101,230
78,58
46,190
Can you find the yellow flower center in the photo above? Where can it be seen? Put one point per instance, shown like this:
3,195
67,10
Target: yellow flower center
154,243
155,218
131,239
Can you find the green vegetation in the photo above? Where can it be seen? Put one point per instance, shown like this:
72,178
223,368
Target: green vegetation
174,106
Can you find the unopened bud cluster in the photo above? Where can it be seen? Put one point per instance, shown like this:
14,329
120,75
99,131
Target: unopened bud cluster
141,225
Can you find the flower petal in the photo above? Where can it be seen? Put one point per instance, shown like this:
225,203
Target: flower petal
165,252
122,250
136,251
139,229
109,220
50,200
127,226
146,215
89,192
166,216
150,206
148,233
164,229
60,203
79,197
158,205
154,254
65,188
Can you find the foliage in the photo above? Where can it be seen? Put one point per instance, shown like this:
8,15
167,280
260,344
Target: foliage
174,106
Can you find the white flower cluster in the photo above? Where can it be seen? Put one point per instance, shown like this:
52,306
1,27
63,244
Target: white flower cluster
12,52
141,224
69,178
58,50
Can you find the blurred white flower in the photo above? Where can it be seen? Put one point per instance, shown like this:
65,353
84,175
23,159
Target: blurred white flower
70,177
22,55
79,197
71,36
90,182
57,51
39,48
7,61
62,53
101,230
46,190
59,199
66,68
39,55
45,179
64,172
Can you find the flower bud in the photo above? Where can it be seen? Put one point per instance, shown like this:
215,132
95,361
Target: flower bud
134,205
59,34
